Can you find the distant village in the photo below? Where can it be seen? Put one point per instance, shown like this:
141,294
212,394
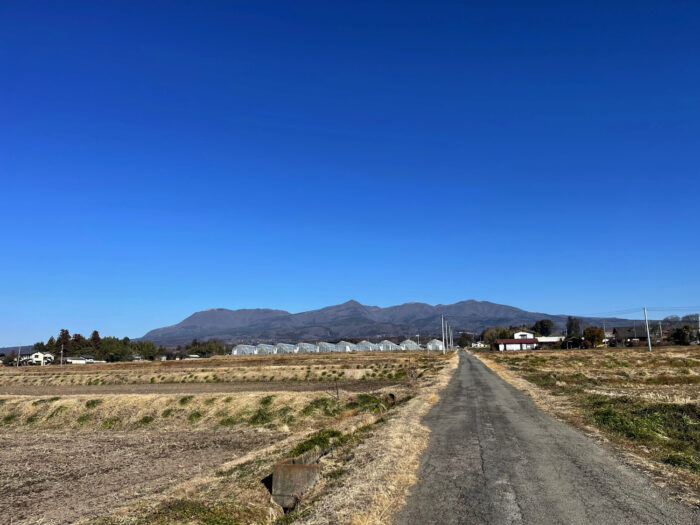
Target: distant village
81,351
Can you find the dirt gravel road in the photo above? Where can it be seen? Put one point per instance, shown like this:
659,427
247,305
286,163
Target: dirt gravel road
58,477
495,458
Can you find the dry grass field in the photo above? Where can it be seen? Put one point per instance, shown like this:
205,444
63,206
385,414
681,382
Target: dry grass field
222,369
147,456
646,402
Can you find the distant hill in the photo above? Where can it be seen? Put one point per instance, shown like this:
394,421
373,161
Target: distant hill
351,320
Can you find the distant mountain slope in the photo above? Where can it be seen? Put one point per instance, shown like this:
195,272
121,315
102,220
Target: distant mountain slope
350,320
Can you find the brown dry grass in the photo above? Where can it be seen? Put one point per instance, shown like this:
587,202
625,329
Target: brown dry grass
233,488
288,367
383,468
561,381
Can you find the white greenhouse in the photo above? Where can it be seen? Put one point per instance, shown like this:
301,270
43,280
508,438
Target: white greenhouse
409,345
366,346
285,348
388,345
434,344
344,346
326,347
243,350
265,349
307,348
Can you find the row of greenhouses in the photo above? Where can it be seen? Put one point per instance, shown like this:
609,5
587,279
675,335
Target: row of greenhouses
342,346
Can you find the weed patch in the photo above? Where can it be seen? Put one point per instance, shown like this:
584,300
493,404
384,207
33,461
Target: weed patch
185,400
321,440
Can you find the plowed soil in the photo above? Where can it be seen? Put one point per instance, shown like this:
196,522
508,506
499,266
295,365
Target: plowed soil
58,477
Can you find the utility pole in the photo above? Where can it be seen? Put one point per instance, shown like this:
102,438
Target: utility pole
442,318
19,354
661,333
646,321
61,354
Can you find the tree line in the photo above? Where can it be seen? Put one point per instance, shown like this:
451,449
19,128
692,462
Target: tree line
113,349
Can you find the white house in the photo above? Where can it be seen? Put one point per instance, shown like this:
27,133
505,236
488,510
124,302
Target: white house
409,344
41,358
551,339
523,335
434,344
520,343
479,344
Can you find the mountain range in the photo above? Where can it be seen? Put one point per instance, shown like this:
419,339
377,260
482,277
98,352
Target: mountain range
351,320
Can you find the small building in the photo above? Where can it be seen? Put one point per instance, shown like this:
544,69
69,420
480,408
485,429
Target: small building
479,344
409,344
306,348
523,335
387,346
326,347
516,344
550,340
434,344
41,358
366,346
609,336
243,350
344,346
285,348
265,349
630,335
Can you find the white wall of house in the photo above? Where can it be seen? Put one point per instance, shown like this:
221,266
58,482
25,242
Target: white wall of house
517,346
523,335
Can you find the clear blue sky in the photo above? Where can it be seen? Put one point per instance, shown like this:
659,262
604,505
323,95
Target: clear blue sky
159,158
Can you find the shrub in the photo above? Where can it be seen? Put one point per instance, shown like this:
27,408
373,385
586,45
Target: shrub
145,420
194,416
185,400
261,416
229,421
9,418
321,439
43,401
92,403
266,401
56,412
327,406
83,419
167,412
367,402
111,423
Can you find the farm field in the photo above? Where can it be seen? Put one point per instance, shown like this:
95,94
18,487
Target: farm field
156,454
290,368
648,403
